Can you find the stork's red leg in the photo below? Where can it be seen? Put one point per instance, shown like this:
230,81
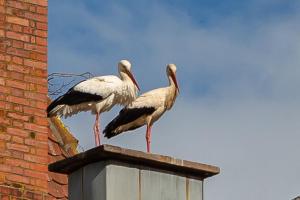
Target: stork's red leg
97,130
148,138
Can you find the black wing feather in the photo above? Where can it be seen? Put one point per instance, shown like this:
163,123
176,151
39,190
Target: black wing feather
126,115
73,97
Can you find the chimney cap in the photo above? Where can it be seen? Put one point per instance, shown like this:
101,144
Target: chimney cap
109,152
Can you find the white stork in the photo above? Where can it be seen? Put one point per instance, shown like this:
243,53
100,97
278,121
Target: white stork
97,94
146,109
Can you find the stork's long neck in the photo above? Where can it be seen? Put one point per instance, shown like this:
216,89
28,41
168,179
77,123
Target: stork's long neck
128,91
171,93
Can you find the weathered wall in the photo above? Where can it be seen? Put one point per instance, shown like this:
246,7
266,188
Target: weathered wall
23,95
110,180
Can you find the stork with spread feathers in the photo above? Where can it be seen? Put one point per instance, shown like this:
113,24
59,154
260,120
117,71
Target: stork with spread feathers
146,109
98,95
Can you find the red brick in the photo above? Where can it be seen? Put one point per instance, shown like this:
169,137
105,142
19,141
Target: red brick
37,128
17,170
18,44
42,26
35,64
2,33
17,92
35,174
41,121
5,168
42,89
32,150
18,100
38,2
41,33
16,28
5,137
17,4
2,56
5,105
32,24
17,147
36,80
32,9
17,52
18,116
17,178
34,111
32,39
17,132
42,183
40,144
17,76
38,56
34,47
17,20
2,81
2,9
16,154
17,124
36,96
17,36
5,57
41,152
36,17
41,105
42,10
41,41
17,60
2,66
28,30
41,137
16,84
18,68
4,89
36,159
17,139
17,108
2,96
17,162
38,167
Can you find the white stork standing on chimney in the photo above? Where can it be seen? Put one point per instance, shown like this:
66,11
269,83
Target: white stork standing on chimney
97,94
146,109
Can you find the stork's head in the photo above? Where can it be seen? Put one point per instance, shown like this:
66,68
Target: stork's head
125,67
171,72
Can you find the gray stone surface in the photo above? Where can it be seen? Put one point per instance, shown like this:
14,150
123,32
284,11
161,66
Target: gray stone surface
122,182
195,189
110,180
161,186
75,185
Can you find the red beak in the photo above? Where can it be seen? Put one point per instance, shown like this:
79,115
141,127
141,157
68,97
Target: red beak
173,76
133,80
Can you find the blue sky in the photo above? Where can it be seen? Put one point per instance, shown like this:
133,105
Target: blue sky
238,70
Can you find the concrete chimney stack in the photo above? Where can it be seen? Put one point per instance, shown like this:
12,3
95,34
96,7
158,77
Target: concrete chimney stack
113,173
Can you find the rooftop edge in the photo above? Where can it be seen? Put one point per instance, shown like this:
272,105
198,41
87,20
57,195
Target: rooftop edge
109,152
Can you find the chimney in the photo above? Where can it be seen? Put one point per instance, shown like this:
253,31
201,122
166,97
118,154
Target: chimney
27,142
113,173
23,98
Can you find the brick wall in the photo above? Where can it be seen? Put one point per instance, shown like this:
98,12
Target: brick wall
23,95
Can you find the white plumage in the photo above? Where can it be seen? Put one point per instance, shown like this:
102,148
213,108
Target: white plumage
146,109
97,94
